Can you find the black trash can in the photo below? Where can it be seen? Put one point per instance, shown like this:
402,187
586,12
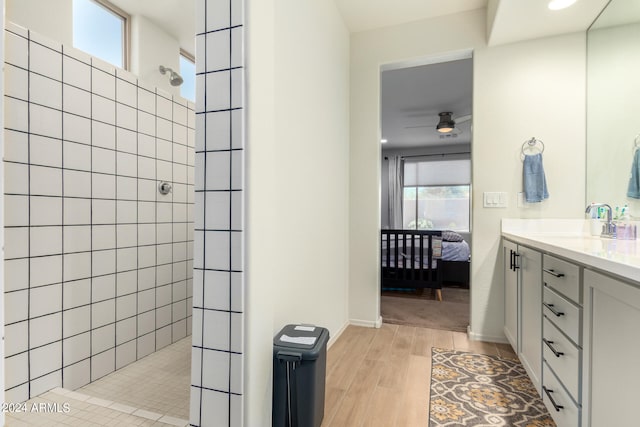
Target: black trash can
299,368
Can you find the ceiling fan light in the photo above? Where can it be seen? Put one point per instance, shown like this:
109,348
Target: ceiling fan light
446,123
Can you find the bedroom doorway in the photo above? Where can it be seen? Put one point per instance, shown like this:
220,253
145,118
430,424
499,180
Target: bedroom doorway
426,143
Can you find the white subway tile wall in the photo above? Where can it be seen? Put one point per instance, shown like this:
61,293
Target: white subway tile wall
218,307
98,267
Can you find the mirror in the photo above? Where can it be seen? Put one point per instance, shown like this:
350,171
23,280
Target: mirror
613,104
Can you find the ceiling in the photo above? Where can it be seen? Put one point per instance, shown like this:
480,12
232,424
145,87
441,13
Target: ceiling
509,20
363,15
525,20
412,97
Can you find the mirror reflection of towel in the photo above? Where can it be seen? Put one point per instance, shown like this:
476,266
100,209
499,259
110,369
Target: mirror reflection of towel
535,183
634,180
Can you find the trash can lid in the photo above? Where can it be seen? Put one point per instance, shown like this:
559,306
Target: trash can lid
307,339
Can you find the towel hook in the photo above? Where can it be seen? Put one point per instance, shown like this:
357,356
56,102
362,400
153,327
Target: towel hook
532,144
636,142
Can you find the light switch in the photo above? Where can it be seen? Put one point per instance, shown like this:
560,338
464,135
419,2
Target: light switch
495,199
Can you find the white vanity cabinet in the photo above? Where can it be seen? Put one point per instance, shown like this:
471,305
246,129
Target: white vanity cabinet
590,320
562,340
611,366
523,297
511,284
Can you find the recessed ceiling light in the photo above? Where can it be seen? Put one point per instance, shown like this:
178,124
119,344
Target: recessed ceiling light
560,4
383,141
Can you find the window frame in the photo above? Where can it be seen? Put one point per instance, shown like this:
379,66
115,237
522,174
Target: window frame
415,213
417,186
191,58
126,30
188,55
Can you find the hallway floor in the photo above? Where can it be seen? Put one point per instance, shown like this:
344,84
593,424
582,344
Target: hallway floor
154,391
381,377
375,377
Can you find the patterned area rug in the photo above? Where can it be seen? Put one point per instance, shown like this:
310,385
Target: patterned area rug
470,389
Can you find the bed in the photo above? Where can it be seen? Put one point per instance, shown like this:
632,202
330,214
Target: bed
423,259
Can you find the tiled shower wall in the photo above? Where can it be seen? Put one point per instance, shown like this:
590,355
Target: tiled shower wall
98,266
218,311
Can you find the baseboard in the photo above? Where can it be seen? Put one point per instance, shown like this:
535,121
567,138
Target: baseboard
501,339
334,338
367,323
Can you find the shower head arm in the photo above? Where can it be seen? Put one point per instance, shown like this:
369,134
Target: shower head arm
174,78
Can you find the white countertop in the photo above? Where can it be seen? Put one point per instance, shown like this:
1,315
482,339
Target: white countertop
571,239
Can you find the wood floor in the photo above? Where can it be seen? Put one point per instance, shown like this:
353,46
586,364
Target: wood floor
381,377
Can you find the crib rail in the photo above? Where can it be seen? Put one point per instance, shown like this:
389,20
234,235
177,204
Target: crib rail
408,258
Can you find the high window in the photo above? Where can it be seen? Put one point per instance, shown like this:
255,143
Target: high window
101,30
188,73
436,195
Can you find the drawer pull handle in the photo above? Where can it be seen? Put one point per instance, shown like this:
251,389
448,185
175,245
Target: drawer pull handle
553,402
552,272
553,310
516,255
556,352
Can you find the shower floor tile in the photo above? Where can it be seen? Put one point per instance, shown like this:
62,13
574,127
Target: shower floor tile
60,407
157,383
153,391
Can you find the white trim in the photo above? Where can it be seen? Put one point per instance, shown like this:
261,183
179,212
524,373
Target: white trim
367,323
333,339
433,59
416,62
501,339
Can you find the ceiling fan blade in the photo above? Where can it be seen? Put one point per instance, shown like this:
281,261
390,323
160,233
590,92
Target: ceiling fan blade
421,126
463,119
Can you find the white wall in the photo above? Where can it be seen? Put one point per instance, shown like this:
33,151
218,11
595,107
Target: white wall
150,48
150,45
51,19
536,87
297,171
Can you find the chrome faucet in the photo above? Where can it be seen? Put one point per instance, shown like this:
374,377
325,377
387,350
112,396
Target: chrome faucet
608,228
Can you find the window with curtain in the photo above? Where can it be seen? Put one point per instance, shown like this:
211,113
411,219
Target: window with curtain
436,194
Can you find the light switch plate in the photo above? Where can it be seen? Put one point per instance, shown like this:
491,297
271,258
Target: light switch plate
495,199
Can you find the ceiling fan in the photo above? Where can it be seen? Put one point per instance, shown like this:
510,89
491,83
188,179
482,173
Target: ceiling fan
446,124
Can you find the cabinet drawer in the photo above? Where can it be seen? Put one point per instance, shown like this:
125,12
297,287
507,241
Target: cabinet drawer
562,313
565,412
563,357
562,276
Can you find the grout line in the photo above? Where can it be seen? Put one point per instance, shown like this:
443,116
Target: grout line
92,178
126,409
204,222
